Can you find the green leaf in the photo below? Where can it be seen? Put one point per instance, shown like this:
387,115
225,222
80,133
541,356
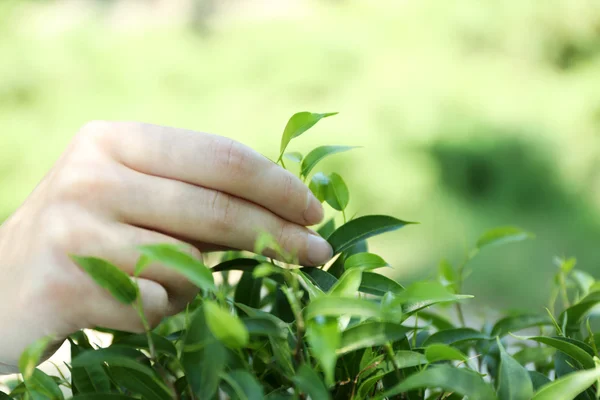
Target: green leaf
327,228
424,294
455,336
32,356
436,320
114,356
244,385
140,341
184,263
442,352
139,383
226,327
365,261
337,306
378,285
324,339
348,284
336,193
513,379
323,279
569,386
308,285
538,380
309,382
297,125
248,290
575,349
264,326
110,277
294,156
447,272
459,380
204,365
503,235
318,185
102,396
316,155
370,334
4,396
238,264
363,228
89,379
41,386
402,359
577,312
534,355
516,323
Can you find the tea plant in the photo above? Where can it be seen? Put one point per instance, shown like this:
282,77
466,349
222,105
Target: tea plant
339,331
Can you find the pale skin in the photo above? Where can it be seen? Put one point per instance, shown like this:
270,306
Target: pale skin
123,184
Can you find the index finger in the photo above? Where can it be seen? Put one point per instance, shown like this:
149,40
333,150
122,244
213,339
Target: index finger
216,163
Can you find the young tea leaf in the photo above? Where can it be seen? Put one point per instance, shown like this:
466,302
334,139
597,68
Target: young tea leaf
338,306
365,261
324,339
336,192
318,185
363,228
297,125
369,334
378,285
315,156
575,349
502,235
569,386
226,327
294,156
424,294
442,352
110,277
516,323
348,284
41,386
32,356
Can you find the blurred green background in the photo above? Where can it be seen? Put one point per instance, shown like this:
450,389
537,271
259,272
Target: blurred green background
471,113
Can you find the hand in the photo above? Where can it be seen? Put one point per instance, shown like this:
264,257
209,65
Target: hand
120,185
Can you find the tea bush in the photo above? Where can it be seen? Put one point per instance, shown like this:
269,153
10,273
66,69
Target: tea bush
339,331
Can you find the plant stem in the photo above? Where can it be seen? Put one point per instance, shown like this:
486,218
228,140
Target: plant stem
140,310
563,291
344,215
390,354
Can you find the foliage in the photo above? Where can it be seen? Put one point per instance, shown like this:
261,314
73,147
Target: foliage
339,331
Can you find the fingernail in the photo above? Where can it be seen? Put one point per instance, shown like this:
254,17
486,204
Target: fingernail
313,213
319,251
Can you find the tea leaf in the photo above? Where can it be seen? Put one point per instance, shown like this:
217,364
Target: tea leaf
140,341
226,327
316,155
312,290
318,186
248,290
442,352
297,125
323,279
534,355
203,366
503,235
327,228
114,356
447,272
244,385
32,356
309,382
337,306
363,228
516,323
102,396
294,156
109,277
538,380
438,321
513,379
261,325
459,380
348,284
238,264
365,261
41,386
371,334
141,384
324,339
575,349
455,336
336,193
184,263
575,314
378,285
569,386
424,294
89,379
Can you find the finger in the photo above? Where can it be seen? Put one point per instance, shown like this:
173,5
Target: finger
216,163
112,314
205,215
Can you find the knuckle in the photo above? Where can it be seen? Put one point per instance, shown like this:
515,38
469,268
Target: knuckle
81,183
233,158
223,211
94,131
287,193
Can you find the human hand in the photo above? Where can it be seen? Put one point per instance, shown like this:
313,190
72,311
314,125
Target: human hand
121,185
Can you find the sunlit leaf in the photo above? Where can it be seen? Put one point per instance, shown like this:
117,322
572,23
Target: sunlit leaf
348,284
318,185
337,306
184,263
309,382
294,156
110,277
569,386
575,349
503,235
41,386
32,356
363,228
324,338
514,382
371,334
424,294
459,380
327,228
297,125
226,327
316,155
455,336
337,194
577,312
365,261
